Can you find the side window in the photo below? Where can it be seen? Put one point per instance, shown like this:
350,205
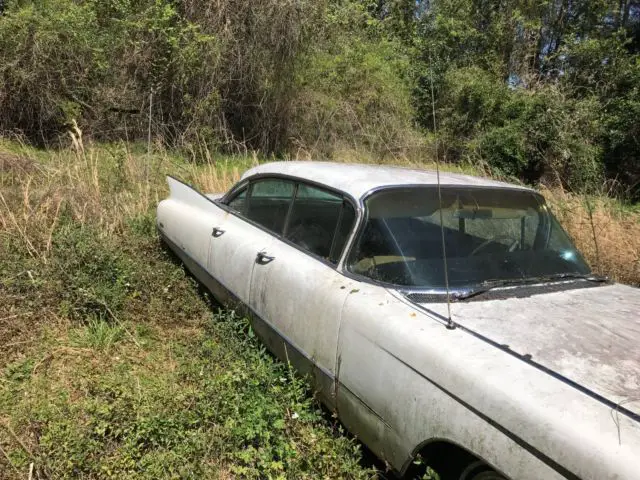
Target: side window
269,202
239,201
315,217
344,229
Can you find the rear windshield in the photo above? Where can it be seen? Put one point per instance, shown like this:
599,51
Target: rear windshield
491,234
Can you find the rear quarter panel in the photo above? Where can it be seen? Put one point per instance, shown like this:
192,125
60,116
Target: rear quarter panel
187,218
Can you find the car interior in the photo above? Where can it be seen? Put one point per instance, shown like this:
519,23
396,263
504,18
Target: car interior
313,221
402,240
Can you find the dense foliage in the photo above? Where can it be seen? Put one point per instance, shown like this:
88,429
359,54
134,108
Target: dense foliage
264,75
548,88
535,90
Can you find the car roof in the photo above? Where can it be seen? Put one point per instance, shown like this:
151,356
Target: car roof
358,179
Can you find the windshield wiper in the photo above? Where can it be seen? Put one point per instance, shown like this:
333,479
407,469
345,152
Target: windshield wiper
484,287
573,276
489,285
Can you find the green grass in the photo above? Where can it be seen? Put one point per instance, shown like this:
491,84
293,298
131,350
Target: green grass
98,334
140,377
115,364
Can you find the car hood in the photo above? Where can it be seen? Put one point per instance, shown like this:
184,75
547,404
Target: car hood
590,336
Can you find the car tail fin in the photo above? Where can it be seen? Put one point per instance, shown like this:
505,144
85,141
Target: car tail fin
183,193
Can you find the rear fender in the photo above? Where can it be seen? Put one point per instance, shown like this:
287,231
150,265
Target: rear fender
187,218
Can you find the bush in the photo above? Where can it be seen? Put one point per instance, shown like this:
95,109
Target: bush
354,97
49,61
100,63
261,43
530,134
353,88
263,75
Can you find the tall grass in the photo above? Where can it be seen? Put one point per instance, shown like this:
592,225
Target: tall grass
106,185
109,185
111,365
606,231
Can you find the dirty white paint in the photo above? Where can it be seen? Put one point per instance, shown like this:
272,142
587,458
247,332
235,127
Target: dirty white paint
398,378
358,179
590,336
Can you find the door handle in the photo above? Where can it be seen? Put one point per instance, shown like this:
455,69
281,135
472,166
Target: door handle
262,258
217,232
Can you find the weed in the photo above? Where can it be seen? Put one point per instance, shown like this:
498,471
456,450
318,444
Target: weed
113,365
98,334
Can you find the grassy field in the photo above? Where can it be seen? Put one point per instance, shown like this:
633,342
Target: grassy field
114,364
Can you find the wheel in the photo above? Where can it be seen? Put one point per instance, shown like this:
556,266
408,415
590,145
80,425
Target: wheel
480,471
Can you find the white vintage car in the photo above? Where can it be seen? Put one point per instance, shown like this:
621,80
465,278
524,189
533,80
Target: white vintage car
534,375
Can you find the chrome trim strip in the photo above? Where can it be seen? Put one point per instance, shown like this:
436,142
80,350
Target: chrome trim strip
203,271
505,431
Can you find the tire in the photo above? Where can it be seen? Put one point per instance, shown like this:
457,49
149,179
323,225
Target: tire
480,471
490,475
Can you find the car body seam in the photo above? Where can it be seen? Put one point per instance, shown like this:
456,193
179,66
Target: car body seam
505,431
529,361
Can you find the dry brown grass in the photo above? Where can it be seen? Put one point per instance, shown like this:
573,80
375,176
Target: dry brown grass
89,184
10,162
95,184
607,234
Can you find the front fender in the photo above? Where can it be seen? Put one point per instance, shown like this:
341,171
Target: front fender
416,381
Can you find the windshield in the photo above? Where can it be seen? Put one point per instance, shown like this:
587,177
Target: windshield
491,234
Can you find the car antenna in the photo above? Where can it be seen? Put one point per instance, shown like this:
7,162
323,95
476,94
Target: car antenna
450,324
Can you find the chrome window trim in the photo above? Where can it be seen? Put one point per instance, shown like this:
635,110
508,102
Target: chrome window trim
362,220
233,191
311,183
222,203
245,187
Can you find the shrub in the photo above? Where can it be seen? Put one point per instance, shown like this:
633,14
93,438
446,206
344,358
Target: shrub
49,61
263,75
528,134
353,97
107,64
353,88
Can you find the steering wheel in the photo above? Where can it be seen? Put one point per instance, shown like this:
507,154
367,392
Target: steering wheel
502,236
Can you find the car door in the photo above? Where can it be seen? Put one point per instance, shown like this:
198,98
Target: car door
245,230
298,294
